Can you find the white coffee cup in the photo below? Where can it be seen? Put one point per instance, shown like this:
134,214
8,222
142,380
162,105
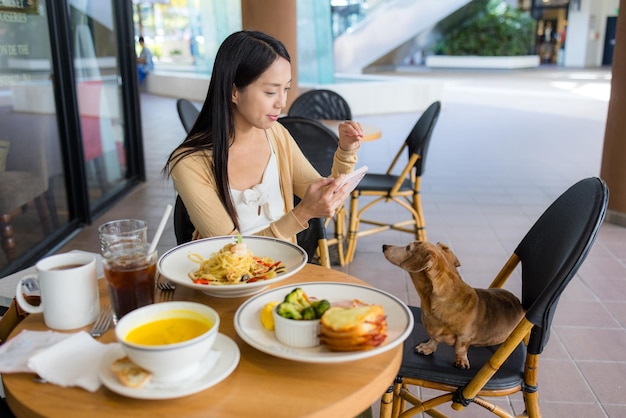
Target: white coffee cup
69,291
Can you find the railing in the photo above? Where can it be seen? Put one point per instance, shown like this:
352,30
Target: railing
346,14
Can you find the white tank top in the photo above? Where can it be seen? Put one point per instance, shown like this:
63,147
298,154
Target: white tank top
262,204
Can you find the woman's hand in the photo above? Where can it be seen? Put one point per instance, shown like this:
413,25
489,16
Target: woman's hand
350,135
322,199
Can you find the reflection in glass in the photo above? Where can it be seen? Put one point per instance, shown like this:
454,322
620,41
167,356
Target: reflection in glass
184,35
32,186
99,96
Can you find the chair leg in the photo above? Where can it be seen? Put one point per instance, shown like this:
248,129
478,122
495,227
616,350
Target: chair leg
322,250
420,224
340,226
8,239
353,227
44,214
531,398
386,403
51,202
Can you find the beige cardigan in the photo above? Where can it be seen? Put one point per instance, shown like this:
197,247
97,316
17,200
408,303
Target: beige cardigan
195,183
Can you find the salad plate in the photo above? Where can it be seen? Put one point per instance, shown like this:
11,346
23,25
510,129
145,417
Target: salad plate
249,328
176,265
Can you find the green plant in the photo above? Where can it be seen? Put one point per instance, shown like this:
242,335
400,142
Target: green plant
497,30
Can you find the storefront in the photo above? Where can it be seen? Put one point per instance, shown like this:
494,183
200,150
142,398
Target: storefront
70,136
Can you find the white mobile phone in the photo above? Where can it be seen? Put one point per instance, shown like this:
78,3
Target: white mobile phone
353,178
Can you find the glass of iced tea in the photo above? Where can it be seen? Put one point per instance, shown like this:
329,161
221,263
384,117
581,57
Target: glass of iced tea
130,272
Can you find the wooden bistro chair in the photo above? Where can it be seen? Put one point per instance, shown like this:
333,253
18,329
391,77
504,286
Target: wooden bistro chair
321,104
550,255
319,144
187,112
403,189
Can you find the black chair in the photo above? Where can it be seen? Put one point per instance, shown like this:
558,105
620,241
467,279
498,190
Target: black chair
318,144
403,188
187,112
550,255
312,240
320,104
183,227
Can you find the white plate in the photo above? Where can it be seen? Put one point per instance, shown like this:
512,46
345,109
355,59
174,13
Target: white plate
176,265
226,363
248,325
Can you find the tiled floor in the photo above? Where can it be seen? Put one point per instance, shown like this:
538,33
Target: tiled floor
506,145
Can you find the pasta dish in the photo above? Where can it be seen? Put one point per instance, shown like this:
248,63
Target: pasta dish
234,264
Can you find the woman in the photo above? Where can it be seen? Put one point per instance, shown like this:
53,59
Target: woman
238,169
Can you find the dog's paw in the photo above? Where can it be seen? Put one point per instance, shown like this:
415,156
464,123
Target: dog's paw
462,363
426,348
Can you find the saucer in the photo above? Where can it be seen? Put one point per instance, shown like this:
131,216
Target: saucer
203,379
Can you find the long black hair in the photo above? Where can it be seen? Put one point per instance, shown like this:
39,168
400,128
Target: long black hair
240,60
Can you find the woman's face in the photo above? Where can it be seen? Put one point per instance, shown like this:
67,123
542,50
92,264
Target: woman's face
260,103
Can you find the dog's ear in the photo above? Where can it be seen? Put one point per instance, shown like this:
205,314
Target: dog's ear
420,260
450,256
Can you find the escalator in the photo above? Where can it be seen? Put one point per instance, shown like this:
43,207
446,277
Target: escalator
370,34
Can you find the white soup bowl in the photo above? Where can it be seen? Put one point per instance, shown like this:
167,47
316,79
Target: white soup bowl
169,362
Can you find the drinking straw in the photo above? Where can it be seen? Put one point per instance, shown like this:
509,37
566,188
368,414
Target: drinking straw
159,231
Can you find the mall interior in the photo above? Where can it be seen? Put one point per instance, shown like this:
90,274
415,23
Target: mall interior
507,143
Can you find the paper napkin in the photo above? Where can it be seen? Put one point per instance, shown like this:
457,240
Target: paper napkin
62,359
15,353
74,361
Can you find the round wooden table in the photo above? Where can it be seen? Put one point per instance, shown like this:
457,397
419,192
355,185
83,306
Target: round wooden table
262,385
370,132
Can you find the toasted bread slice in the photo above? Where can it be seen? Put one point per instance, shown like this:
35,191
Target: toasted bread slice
129,374
353,329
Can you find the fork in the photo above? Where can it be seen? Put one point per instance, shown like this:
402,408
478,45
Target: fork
103,322
166,286
166,290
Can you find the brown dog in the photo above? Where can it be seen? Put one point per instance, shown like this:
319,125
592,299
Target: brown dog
453,312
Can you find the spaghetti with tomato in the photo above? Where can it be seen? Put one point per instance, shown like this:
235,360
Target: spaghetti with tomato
234,264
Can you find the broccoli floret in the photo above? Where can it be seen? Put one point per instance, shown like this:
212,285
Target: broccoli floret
320,306
288,310
298,298
309,313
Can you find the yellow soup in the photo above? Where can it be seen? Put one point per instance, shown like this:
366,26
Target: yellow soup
167,331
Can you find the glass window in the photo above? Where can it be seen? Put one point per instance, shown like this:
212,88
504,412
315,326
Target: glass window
97,72
32,181
184,35
44,191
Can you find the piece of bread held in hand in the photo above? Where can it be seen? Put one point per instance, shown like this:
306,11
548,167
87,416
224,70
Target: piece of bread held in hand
353,329
129,374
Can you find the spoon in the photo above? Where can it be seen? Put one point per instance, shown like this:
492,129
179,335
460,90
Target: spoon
160,228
